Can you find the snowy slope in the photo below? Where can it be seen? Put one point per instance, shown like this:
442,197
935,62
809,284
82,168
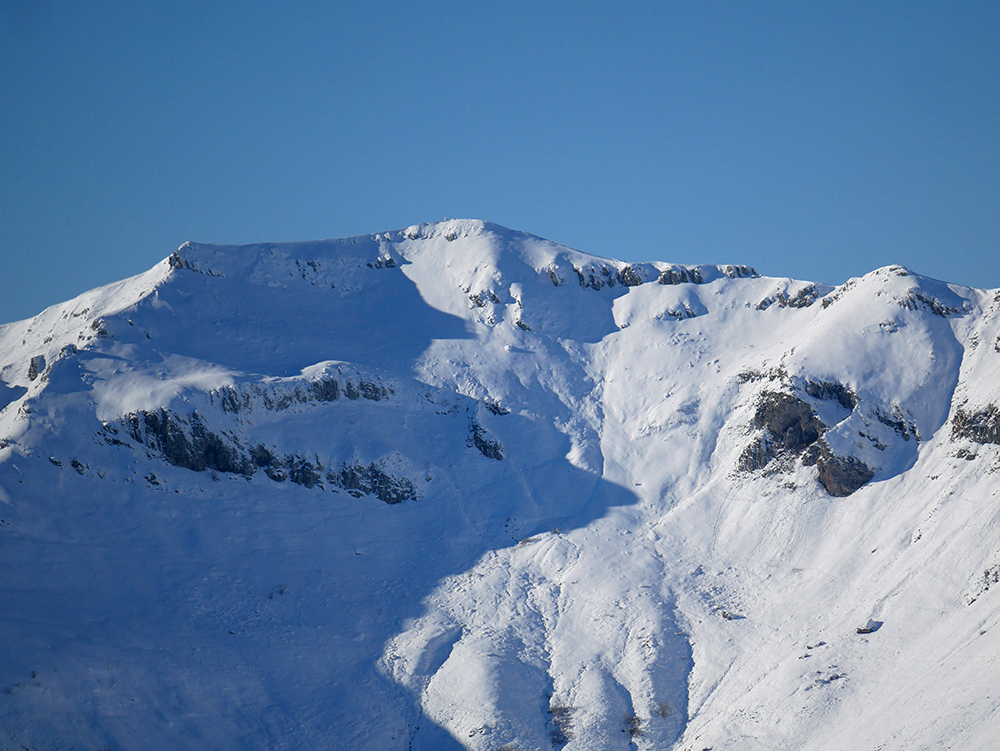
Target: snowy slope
457,486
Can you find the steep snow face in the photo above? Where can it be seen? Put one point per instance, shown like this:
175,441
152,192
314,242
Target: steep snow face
456,486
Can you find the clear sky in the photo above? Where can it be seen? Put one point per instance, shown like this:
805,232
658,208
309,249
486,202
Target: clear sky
811,140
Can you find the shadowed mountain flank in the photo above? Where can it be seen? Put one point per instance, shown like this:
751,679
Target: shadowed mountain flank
460,487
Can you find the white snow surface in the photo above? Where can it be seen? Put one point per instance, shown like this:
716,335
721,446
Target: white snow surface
582,557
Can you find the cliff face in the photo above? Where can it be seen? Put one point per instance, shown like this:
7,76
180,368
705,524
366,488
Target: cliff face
458,486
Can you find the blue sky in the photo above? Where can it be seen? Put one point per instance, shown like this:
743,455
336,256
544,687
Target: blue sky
812,140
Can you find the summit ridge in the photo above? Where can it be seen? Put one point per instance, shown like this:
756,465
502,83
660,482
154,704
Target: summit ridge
457,486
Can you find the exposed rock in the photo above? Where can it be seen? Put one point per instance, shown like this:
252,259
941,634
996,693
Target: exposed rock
275,398
678,314
303,472
187,444
177,261
740,272
791,421
359,480
793,429
811,455
981,426
773,374
36,366
488,446
383,262
895,421
841,475
605,276
869,628
801,299
839,293
367,390
262,457
681,275
100,328
561,724
495,407
916,300
756,455
325,390
832,391
630,277
990,578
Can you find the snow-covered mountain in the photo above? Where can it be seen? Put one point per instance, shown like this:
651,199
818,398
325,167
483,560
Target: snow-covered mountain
457,486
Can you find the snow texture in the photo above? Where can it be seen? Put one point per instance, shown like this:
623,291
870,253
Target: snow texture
456,486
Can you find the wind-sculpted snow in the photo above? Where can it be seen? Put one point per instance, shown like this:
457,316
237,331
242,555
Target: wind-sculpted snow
456,486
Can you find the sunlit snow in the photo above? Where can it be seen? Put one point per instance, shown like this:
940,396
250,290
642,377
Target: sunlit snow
456,486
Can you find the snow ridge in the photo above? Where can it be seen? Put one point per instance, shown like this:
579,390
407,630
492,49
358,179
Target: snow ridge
457,486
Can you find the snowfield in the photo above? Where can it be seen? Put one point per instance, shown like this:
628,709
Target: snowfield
460,487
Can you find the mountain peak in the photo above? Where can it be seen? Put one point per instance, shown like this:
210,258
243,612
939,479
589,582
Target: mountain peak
503,493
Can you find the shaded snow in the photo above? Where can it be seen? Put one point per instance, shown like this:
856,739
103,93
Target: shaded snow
603,574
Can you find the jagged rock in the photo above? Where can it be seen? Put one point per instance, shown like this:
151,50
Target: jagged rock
366,390
495,407
740,272
605,276
811,455
841,475
196,447
680,275
488,447
589,280
981,426
791,427
100,328
177,261
756,455
261,456
897,423
678,314
277,398
189,444
791,421
832,391
359,480
36,366
773,374
629,277
794,429
303,472
916,300
802,299
325,390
